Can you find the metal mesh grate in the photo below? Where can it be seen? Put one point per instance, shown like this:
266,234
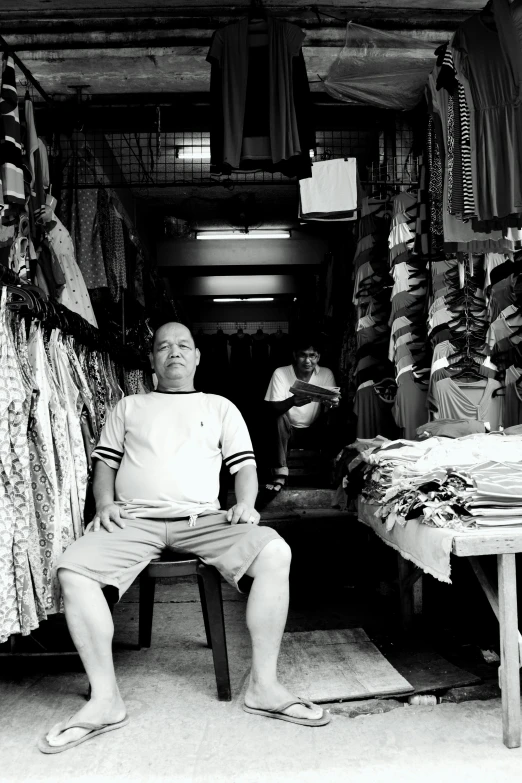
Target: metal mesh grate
137,159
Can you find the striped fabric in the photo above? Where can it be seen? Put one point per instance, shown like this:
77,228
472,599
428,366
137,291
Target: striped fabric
467,171
239,459
456,206
463,148
11,175
111,457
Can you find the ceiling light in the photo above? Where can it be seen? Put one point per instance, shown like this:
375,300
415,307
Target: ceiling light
193,153
245,299
255,234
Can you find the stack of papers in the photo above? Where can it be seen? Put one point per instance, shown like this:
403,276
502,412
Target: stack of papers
317,393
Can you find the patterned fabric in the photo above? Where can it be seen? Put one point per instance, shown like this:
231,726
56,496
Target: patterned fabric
450,147
73,407
18,611
435,189
97,385
421,246
31,399
51,468
86,229
74,294
11,175
111,228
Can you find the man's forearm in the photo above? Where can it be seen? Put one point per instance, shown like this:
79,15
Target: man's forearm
103,484
282,407
245,485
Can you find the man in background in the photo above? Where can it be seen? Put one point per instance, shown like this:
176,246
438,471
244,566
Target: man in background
297,415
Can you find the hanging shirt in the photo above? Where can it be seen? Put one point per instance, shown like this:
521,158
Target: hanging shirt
332,188
374,414
468,401
74,294
168,449
513,398
279,390
409,409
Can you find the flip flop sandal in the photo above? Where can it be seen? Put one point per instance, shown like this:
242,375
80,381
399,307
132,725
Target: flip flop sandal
279,713
95,730
277,485
269,492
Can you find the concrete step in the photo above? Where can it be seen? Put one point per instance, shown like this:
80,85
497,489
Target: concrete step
299,498
302,454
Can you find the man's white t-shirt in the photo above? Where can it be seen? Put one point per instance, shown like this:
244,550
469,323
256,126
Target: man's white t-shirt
279,390
168,449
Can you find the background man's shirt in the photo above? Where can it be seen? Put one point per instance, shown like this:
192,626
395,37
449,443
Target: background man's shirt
279,390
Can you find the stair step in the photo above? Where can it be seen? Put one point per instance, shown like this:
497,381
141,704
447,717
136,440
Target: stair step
296,498
303,454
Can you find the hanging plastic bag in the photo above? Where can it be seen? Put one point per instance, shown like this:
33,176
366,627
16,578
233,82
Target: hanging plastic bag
381,69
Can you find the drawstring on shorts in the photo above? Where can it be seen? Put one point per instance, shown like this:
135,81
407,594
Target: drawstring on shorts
192,520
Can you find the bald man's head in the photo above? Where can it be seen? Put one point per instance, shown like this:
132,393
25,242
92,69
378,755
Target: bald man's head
174,357
166,326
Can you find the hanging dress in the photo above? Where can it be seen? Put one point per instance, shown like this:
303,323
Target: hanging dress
18,611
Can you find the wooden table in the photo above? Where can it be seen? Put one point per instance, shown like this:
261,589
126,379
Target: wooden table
504,543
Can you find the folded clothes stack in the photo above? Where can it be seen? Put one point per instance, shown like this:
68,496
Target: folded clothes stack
442,482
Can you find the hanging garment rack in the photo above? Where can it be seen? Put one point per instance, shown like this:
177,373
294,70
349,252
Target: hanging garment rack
25,70
57,315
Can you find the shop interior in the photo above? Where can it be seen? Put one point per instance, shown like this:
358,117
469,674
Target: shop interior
130,173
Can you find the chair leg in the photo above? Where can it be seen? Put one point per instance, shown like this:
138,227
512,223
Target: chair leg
204,609
216,623
147,591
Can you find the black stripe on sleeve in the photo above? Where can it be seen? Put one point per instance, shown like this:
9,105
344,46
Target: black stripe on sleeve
249,457
100,453
113,451
238,454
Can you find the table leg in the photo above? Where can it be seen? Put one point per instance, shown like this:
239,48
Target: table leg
410,590
509,655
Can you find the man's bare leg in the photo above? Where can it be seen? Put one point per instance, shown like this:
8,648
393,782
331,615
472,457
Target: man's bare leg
91,627
267,611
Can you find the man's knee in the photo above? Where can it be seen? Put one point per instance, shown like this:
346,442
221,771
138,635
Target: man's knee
71,581
276,555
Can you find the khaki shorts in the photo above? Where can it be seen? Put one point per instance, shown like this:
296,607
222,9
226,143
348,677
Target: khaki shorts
117,558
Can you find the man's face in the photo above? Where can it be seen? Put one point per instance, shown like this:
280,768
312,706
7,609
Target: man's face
175,357
307,359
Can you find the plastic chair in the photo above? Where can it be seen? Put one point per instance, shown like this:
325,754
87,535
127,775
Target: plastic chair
209,583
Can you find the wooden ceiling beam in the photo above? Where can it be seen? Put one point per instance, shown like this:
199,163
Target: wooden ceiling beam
433,14
179,38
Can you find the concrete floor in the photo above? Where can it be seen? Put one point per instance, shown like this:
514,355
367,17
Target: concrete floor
180,732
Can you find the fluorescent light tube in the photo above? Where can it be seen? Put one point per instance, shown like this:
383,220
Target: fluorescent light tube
194,153
256,234
245,299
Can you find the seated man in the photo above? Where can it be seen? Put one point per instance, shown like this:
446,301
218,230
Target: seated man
156,484
297,412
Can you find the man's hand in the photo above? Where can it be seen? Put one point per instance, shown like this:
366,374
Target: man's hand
300,400
106,516
333,403
241,514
